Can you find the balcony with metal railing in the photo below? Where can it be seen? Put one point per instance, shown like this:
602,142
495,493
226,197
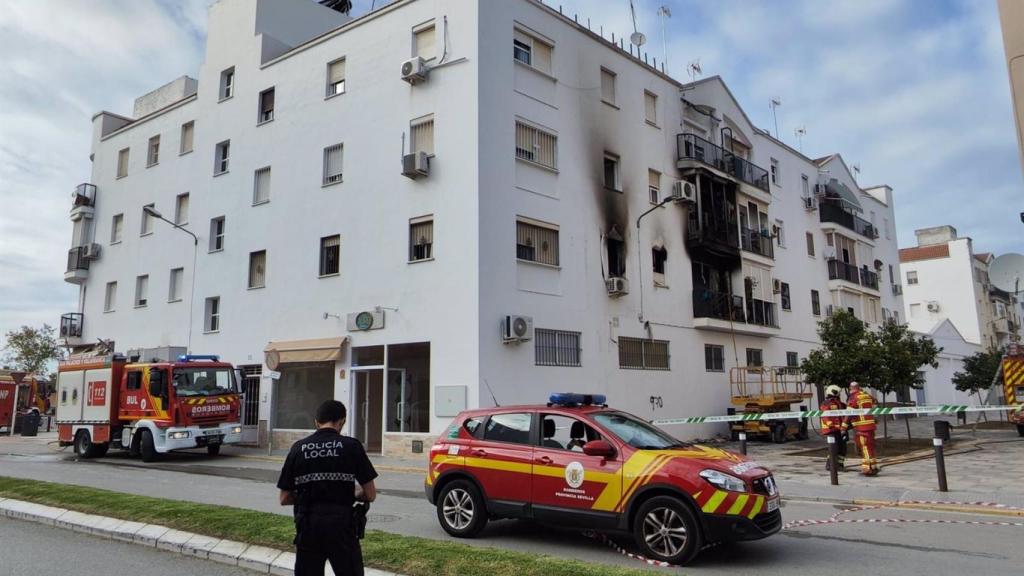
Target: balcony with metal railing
714,236
832,211
761,313
756,242
71,325
723,312
78,265
690,147
839,270
868,279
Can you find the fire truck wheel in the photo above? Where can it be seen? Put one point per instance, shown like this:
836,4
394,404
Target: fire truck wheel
461,510
665,529
84,447
213,449
146,447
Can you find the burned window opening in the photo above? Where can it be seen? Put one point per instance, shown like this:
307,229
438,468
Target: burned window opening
658,256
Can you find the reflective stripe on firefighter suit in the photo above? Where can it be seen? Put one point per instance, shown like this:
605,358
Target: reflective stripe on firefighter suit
835,426
864,427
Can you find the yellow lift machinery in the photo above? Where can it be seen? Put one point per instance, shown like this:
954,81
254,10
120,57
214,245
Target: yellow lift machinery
765,389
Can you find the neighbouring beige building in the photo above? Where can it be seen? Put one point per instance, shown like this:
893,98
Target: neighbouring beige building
1011,17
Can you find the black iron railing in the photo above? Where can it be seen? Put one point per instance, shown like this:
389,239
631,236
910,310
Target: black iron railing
718,305
868,278
897,289
693,147
831,211
77,259
761,313
839,270
71,325
756,242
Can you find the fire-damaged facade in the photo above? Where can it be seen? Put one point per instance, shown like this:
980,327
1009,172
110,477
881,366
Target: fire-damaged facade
563,215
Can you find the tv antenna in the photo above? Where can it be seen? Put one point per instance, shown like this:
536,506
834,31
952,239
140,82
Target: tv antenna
664,12
774,103
856,170
637,37
800,133
693,69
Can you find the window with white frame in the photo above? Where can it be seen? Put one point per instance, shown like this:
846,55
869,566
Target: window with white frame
330,255
780,233
651,107
266,110
116,228
188,130
536,145
261,186
654,186
421,238
122,162
258,269
643,354
421,133
532,51
336,77
110,297
174,284
556,347
424,41
147,221
217,234
537,242
810,243
181,209
775,172
911,276
153,151
222,157
611,172
805,185
141,290
608,86
227,83
211,314
333,156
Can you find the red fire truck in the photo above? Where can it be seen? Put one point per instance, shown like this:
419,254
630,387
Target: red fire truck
1012,368
148,408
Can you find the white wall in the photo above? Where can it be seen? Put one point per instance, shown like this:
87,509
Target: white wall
950,282
939,388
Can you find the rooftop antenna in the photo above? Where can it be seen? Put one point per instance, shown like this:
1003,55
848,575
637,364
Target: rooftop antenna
637,38
693,69
773,104
664,12
800,133
856,170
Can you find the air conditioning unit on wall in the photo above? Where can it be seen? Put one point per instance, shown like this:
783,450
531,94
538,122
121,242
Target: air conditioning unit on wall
810,203
516,329
616,286
933,306
684,191
414,70
415,165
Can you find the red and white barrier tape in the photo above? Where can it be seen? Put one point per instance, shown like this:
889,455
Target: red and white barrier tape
836,518
611,544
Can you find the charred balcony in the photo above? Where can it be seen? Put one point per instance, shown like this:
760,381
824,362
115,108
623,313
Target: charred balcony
691,148
833,211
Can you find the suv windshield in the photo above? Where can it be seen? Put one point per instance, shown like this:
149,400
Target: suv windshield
636,432
203,381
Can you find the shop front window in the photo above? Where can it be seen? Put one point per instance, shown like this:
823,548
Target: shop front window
299,392
408,388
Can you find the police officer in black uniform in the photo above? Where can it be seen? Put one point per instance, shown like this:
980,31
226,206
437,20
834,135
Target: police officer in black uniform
319,477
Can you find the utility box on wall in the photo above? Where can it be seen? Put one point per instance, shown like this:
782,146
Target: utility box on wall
449,401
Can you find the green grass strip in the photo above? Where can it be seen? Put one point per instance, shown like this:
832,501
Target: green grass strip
403,554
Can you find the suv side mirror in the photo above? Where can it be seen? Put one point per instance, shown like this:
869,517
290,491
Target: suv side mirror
599,448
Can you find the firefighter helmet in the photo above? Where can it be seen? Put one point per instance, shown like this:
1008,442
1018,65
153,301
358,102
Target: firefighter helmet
832,390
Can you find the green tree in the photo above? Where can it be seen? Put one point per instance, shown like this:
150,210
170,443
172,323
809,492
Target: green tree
979,372
32,349
899,355
846,353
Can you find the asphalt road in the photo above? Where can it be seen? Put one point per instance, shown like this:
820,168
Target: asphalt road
853,548
30,549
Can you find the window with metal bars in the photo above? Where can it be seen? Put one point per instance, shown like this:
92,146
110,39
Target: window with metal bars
330,255
422,135
556,347
535,145
266,112
332,164
258,269
421,239
536,243
261,186
643,354
336,77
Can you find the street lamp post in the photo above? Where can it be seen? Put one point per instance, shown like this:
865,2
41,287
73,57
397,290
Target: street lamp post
195,251
639,246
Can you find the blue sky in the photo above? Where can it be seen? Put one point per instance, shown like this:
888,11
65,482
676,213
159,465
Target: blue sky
914,91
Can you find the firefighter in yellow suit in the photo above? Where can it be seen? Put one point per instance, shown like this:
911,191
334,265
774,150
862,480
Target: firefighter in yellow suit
864,429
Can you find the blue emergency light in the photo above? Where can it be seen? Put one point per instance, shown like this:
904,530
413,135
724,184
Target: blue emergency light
574,399
198,357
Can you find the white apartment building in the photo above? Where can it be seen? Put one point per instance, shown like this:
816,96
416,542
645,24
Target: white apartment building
945,279
401,284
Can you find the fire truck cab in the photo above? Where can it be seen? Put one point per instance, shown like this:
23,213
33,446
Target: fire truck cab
147,408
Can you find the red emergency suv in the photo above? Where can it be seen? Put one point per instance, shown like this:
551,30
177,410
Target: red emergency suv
576,462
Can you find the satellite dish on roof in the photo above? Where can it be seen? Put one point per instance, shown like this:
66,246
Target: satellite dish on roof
638,39
1007,272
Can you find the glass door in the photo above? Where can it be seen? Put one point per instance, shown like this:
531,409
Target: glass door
369,404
